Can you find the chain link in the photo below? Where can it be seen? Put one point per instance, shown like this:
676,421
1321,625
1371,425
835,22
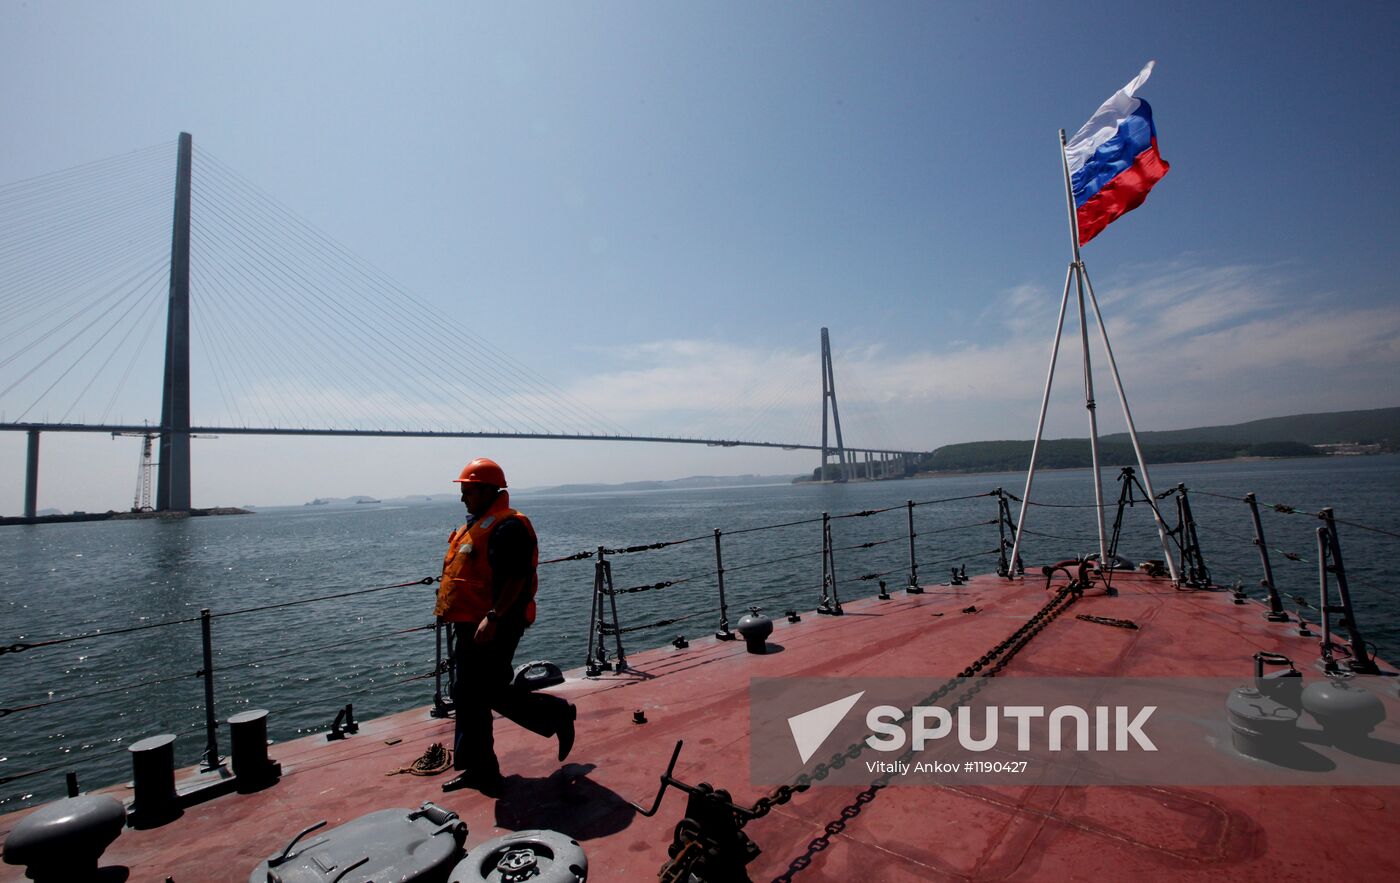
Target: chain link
1108,620
997,658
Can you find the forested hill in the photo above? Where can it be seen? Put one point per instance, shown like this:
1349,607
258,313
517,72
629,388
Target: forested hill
1296,436
1071,453
1377,426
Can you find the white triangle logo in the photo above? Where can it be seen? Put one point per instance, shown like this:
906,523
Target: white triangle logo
810,728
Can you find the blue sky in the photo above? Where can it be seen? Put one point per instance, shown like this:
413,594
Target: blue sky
657,205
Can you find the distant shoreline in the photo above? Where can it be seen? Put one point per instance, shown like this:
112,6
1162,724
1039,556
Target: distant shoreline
113,515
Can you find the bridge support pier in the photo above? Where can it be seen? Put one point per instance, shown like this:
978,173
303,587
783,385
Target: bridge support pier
31,477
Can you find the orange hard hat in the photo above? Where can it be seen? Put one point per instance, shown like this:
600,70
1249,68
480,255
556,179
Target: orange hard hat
482,471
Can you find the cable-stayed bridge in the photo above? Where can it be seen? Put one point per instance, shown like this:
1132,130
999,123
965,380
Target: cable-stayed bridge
284,332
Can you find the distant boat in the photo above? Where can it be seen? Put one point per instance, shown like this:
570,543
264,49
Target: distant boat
367,500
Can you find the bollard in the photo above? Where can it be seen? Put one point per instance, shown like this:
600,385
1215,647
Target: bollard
153,779
248,734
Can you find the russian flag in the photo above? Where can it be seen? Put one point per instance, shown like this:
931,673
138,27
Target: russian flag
1113,159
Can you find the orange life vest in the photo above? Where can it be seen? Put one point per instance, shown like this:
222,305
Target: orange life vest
466,590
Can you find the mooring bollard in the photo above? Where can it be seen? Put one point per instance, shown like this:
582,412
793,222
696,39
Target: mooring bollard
248,735
153,778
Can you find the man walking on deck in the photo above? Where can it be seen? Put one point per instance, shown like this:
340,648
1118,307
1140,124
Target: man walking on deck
488,594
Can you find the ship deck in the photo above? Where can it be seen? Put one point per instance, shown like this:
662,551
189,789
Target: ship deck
699,694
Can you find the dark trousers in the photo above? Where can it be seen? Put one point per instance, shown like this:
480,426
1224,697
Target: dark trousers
483,685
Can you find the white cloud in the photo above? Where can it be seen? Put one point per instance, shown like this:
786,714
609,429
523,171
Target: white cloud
1195,345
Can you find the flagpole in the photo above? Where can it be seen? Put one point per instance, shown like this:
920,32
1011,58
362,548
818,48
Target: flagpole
1132,430
1040,424
1079,273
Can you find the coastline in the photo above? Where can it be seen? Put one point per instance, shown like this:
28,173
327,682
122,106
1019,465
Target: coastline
113,515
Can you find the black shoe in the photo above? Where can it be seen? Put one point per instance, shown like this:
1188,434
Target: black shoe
488,785
566,733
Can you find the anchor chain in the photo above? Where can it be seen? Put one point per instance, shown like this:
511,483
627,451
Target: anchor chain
993,661
1108,620
687,849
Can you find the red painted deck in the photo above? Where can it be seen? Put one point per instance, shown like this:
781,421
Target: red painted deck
1017,832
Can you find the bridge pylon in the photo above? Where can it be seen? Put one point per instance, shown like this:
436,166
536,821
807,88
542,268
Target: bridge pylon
173,479
829,393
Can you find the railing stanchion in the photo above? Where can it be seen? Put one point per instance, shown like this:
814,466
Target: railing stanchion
1275,613
597,661
621,663
913,588
831,601
211,723
440,707
913,562
1193,566
724,634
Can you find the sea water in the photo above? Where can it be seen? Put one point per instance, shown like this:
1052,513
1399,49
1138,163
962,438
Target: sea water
304,661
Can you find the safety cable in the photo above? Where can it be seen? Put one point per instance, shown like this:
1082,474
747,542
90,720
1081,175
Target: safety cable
1295,510
17,647
958,557
1053,536
68,764
5,712
866,512
956,499
743,530
1379,530
647,587
1012,496
251,663
968,526
731,569
364,690
609,631
647,547
577,556
870,576
870,544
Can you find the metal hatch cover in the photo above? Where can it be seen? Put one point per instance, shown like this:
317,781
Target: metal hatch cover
400,845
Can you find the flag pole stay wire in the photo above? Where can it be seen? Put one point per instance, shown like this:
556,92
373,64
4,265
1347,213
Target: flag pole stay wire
1080,276
1040,425
1132,429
